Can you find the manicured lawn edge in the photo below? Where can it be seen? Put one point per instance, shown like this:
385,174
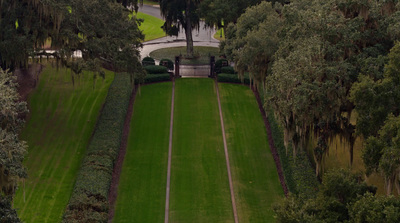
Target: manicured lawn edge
89,199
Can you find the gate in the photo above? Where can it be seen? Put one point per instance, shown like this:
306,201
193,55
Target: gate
186,70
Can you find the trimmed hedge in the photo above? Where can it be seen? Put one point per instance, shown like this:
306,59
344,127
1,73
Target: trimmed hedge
233,78
156,69
150,78
227,70
170,64
89,199
218,65
147,61
299,175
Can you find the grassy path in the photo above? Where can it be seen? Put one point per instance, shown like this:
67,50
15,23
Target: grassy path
199,182
141,190
58,130
254,173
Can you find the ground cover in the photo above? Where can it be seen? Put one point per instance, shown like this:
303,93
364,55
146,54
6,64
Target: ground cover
150,2
151,26
202,54
255,179
199,181
62,119
141,190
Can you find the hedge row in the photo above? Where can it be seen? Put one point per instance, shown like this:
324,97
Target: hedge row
233,78
151,78
156,69
89,199
299,175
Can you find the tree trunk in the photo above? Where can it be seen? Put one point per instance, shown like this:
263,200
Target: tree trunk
188,31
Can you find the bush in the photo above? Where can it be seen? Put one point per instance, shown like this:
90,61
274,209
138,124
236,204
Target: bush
228,70
233,78
155,69
147,61
170,64
219,64
157,78
89,198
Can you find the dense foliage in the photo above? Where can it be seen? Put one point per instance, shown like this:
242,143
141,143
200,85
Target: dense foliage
89,199
103,31
309,54
168,63
156,69
12,150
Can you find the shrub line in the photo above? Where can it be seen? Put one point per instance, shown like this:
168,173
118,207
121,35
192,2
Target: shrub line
113,193
274,151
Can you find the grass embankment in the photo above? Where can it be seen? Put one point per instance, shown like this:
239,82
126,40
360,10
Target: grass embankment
141,191
151,26
62,119
255,179
199,181
202,54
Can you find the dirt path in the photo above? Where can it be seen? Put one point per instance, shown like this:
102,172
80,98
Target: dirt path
228,167
112,195
171,127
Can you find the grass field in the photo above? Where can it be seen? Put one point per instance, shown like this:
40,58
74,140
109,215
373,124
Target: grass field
255,178
62,118
151,26
199,181
141,192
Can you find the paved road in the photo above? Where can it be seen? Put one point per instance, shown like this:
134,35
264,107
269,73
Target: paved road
201,37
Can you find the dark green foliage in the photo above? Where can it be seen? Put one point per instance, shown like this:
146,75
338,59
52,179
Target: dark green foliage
233,78
89,199
156,69
299,174
340,189
157,78
228,70
219,63
7,214
170,64
148,61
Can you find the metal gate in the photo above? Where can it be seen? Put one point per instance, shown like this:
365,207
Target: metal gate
194,70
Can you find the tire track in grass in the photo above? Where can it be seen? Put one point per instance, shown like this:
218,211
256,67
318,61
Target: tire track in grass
169,155
227,157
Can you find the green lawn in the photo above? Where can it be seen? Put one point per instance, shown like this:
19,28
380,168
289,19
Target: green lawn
62,118
255,179
141,191
199,181
151,26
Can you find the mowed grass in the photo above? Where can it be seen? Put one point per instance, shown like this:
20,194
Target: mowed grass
62,118
255,179
151,26
199,181
142,185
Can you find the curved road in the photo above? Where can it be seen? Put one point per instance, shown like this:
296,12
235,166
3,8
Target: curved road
201,37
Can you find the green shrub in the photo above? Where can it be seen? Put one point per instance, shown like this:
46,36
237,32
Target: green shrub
228,70
155,69
157,78
170,64
89,198
299,175
219,64
148,61
233,78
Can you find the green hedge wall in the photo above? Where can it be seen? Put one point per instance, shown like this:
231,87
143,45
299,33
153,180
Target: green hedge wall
156,69
299,175
233,78
89,199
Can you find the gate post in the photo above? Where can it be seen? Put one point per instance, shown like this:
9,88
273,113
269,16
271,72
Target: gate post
177,60
212,64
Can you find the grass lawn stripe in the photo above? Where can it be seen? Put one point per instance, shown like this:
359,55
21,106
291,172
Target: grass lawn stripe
227,156
57,143
199,182
171,128
254,173
141,189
